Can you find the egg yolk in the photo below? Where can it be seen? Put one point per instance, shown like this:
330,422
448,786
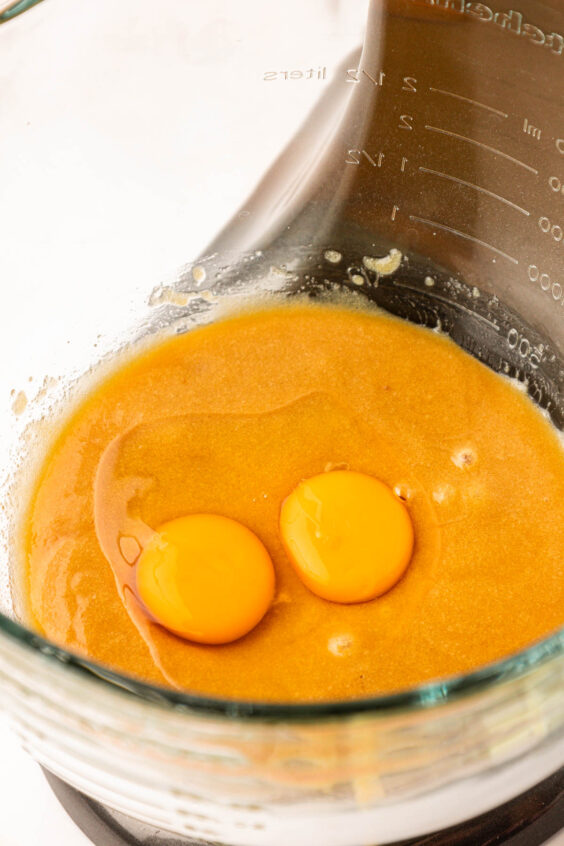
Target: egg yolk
347,535
206,578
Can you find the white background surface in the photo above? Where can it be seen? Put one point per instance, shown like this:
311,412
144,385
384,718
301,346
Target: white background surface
30,814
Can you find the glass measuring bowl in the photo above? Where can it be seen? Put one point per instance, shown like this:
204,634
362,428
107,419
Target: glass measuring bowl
251,149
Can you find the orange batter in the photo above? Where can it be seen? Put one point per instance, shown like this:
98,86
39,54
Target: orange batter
226,422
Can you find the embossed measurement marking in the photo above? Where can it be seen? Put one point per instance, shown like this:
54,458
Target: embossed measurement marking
482,145
446,301
464,235
476,187
468,100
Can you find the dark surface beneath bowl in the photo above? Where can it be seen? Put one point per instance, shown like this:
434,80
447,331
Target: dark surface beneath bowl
530,819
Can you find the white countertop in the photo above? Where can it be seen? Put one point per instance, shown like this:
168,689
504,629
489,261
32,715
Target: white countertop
23,787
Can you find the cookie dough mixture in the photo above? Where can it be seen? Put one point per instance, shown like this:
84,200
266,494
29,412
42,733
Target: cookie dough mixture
228,420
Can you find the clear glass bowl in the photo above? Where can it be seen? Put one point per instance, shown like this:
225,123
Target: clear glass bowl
128,142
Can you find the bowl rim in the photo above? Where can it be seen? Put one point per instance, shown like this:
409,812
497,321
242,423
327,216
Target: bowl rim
11,10
421,697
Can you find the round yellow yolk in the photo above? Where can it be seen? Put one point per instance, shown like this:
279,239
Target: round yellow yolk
348,537
206,578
